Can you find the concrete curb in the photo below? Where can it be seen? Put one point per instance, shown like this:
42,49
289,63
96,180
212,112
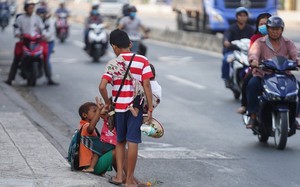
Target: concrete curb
196,40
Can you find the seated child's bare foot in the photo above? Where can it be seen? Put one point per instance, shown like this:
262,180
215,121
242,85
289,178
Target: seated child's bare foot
88,170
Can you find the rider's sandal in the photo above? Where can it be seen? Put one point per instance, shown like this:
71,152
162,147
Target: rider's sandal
251,123
241,110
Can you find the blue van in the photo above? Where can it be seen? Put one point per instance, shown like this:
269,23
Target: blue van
216,15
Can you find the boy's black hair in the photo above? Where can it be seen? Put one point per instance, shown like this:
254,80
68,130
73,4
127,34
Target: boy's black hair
84,108
119,38
153,71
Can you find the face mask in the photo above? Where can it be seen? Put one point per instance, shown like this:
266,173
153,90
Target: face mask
94,12
263,29
132,14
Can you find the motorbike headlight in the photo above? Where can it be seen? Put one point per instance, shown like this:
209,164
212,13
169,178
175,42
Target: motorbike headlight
292,96
271,96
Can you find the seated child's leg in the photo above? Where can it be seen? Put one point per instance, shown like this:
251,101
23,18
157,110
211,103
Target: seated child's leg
93,163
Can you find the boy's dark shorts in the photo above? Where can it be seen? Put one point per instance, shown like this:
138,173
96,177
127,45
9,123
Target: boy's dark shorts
128,126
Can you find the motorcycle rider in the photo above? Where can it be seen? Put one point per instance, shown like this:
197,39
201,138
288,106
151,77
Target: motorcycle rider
49,35
94,17
261,30
262,49
236,31
5,6
61,9
131,24
27,23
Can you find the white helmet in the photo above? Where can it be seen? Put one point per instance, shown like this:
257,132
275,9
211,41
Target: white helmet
95,4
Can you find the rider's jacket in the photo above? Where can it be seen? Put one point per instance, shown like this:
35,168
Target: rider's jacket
26,24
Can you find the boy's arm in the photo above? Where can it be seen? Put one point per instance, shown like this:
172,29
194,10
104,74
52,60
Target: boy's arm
148,93
96,118
103,91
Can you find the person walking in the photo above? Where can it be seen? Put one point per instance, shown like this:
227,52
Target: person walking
127,126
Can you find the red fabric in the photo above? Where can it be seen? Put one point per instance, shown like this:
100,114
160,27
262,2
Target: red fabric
254,38
107,135
19,50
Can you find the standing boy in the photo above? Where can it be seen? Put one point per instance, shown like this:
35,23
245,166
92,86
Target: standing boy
127,126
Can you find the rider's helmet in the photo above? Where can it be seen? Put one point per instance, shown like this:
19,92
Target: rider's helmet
41,11
95,5
27,3
241,10
133,9
126,9
275,21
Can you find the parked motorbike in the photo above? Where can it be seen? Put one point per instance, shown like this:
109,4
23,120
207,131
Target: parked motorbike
4,18
62,27
32,61
97,41
239,65
277,103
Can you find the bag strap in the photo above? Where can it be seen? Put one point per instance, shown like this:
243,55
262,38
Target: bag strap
120,88
97,132
79,136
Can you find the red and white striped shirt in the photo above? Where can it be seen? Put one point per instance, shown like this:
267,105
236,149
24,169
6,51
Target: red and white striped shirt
114,73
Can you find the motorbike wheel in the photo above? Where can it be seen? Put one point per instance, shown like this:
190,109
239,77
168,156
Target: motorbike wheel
31,81
96,56
262,137
281,129
62,39
236,94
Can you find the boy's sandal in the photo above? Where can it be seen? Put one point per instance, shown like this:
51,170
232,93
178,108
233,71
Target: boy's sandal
88,171
112,181
251,123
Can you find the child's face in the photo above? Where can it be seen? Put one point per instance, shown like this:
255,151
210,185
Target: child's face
91,113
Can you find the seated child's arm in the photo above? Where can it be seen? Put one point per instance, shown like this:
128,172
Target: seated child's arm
96,118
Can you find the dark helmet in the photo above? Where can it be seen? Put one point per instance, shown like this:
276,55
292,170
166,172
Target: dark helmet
133,9
27,3
41,10
241,10
126,9
275,21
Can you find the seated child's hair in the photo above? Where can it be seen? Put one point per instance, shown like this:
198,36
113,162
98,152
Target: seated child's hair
153,71
84,108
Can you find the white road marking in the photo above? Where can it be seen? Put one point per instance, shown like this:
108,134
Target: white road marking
186,82
78,43
151,150
65,60
175,59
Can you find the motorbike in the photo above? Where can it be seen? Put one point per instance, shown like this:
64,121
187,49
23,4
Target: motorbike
32,60
4,18
62,27
13,9
277,103
97,41
138,46
238,65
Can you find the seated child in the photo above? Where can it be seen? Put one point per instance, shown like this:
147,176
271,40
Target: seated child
90,114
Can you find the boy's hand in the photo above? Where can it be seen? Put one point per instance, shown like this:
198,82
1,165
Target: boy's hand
99,103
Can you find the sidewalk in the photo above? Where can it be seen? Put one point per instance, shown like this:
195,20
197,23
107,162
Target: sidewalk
27,158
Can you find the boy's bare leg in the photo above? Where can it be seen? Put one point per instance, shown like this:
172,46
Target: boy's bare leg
120,154
131,162
93,164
